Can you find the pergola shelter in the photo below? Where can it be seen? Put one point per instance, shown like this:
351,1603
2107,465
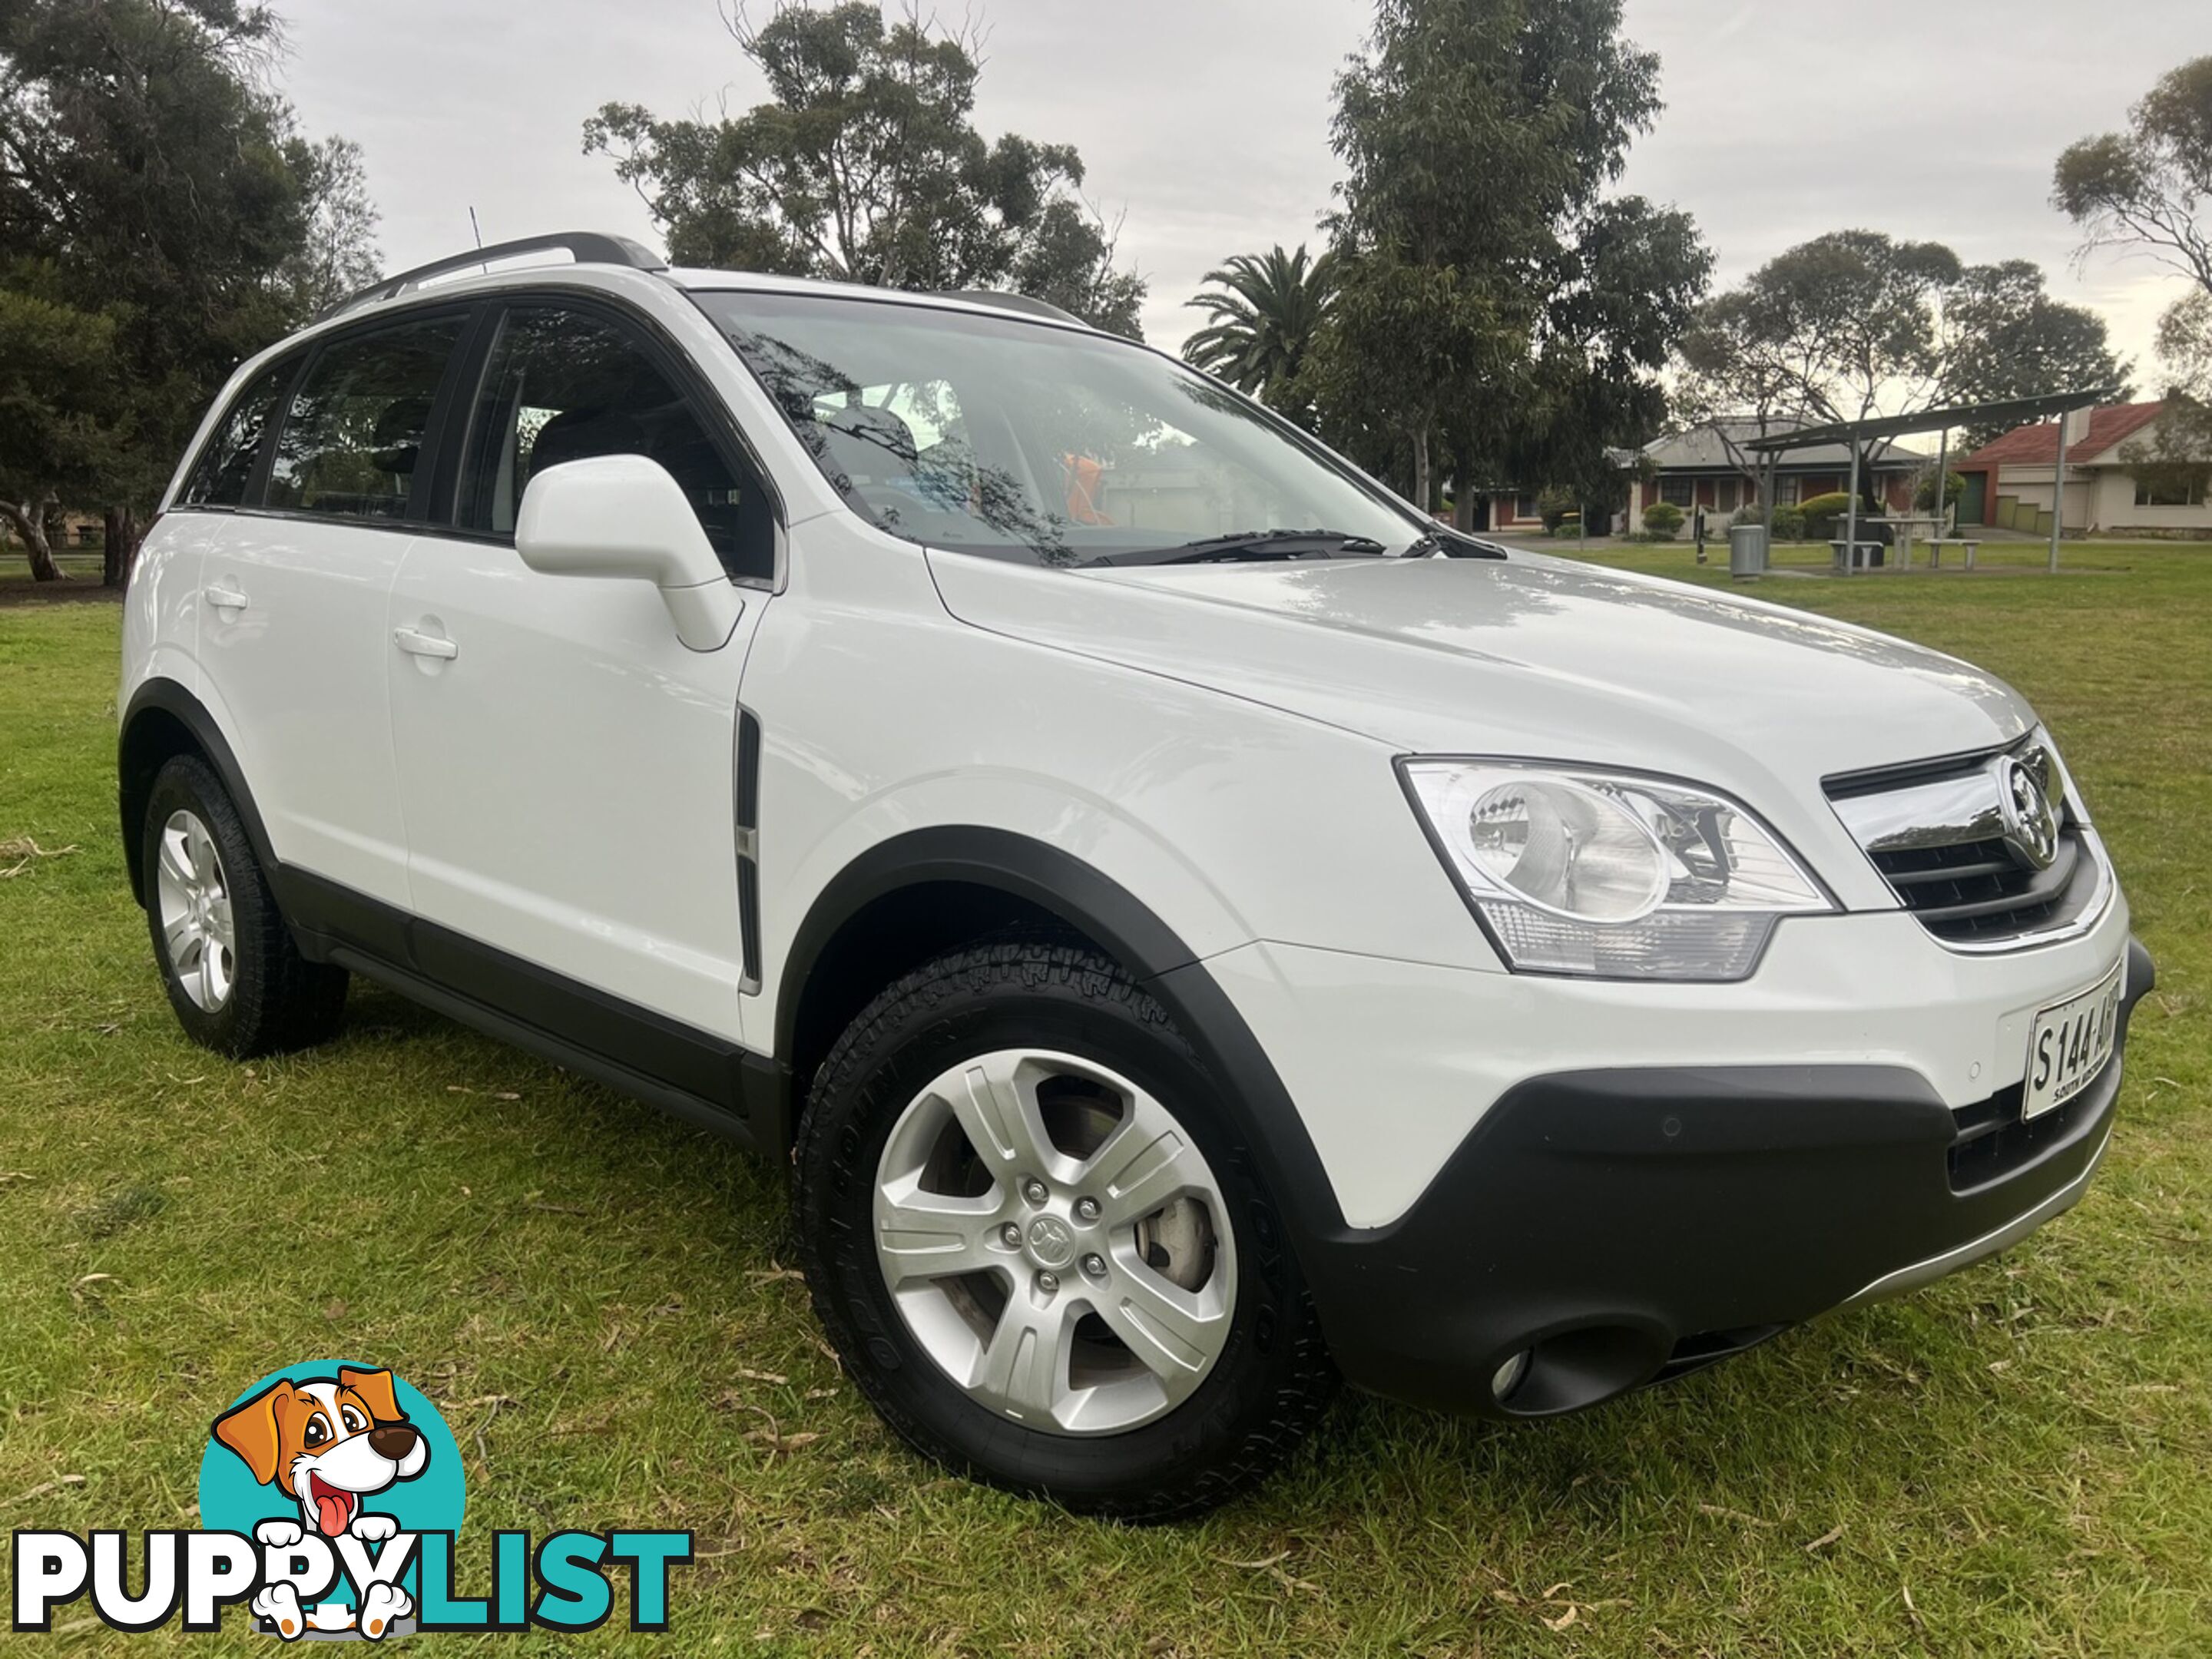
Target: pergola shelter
1856,435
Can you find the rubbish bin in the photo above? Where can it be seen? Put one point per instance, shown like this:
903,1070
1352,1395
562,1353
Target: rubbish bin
1746,550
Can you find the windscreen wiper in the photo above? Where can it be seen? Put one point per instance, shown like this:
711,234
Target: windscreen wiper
1453,545
1251,545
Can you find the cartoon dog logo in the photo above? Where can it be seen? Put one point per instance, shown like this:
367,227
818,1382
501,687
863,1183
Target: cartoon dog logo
327,1444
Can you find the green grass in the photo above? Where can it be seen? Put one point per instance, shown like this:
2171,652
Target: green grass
2016,1461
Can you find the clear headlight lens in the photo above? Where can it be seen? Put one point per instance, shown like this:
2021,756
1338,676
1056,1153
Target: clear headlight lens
1611,874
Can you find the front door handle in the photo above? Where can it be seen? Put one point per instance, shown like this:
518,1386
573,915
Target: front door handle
224,599
416,644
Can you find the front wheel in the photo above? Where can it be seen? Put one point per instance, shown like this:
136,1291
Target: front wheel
1041,1250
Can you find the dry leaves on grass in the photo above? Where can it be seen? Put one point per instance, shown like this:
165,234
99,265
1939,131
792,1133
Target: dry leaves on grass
779,1443
25,851
46,1487
1825,1539
1571,1609
1272,1567
1723,1512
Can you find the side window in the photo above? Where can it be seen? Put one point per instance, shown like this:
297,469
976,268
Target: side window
349,446
564,386
225,467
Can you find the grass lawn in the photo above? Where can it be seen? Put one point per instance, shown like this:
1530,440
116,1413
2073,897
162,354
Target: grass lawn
2016,1461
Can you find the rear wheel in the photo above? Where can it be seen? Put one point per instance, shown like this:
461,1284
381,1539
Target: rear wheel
238,983
1040,1249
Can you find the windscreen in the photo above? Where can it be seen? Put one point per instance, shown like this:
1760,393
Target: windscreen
1014,440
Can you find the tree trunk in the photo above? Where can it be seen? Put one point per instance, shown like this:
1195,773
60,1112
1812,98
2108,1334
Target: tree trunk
28,524
121,548
1463,490
1424,484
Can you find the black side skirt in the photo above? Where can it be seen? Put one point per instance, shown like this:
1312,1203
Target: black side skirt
697,1075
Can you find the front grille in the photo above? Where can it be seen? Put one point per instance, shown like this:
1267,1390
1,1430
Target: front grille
1941,834
1977,889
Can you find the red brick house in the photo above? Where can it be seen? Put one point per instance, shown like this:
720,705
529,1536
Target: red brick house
1707,467
2008,479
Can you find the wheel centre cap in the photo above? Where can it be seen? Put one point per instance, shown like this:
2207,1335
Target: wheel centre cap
1051,1241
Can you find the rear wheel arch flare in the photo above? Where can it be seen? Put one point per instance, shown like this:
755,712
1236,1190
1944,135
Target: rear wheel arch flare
163,720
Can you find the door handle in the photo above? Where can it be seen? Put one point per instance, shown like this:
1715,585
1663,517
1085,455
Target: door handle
416,644
224,599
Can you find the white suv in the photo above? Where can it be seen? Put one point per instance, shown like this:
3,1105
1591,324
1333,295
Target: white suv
1192,926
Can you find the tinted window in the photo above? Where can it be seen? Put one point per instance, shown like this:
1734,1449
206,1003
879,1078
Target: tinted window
564,386
226,465
350,446
987,434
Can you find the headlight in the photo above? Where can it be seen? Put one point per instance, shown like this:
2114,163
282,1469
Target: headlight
1610,874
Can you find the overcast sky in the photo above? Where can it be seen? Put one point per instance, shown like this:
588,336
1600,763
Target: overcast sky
1205,122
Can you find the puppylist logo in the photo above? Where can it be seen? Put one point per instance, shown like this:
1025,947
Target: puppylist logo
331,1498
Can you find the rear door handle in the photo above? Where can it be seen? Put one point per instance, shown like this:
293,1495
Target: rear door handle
416,644
224,599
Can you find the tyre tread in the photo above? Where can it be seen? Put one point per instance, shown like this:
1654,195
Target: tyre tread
1032,959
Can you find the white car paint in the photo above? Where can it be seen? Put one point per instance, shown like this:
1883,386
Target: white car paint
1217,740
567,774
301,665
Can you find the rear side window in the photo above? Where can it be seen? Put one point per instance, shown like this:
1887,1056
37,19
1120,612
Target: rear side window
351,445
564,386
225,467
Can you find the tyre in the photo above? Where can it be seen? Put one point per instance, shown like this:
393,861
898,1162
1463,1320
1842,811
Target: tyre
239,984
1041,1250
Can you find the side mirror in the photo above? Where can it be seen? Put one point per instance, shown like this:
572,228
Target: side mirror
623,515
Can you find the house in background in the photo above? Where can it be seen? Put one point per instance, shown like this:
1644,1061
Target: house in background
2008,481
1706,466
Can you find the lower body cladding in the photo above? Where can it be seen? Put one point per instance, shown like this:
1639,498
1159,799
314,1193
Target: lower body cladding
1602,1229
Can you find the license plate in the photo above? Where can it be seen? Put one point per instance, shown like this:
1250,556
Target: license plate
2070,1043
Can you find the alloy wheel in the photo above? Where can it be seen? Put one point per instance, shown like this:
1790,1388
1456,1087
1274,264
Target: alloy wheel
1055,1241
194,900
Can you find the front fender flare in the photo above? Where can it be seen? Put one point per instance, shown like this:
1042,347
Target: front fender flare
1094,904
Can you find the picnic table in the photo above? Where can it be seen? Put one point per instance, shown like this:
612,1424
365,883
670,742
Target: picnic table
1904,527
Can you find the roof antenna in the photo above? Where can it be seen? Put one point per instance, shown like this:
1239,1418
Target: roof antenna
474,227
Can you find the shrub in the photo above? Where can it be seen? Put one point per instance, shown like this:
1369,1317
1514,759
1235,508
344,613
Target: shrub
1923,492
1662,519
1821,513
1789,522
1555,505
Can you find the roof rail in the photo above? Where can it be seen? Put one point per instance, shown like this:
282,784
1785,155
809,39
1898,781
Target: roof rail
584,247
1026,304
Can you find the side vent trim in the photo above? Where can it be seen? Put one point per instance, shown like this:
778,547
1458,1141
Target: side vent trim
748,818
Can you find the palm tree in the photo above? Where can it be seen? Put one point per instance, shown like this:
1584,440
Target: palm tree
1265,309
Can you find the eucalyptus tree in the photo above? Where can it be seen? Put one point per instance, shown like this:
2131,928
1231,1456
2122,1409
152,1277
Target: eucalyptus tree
1475,242
156,190
865,165
2148,190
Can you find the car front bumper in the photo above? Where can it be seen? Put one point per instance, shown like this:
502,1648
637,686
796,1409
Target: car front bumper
1619,1223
